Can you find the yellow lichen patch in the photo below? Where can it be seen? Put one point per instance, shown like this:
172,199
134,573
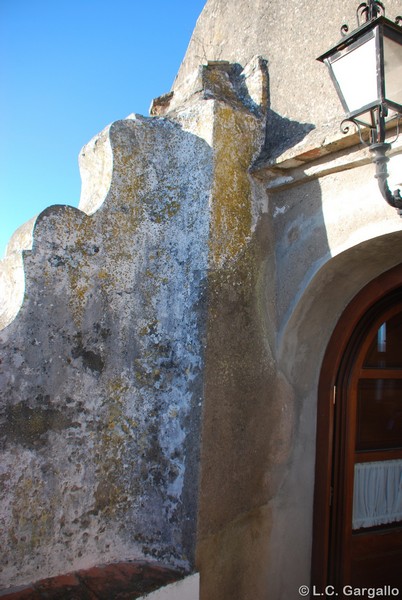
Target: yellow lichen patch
111,452
79,291
236,140
165,210
77,261
109,492
33,514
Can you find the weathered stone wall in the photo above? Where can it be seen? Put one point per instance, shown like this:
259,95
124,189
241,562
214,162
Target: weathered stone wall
102,371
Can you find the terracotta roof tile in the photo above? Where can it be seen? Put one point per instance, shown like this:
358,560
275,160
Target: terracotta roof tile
119,581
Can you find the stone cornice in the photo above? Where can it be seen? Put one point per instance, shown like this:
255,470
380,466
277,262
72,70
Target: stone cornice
317,156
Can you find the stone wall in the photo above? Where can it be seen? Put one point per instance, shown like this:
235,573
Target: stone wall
103,368
101,375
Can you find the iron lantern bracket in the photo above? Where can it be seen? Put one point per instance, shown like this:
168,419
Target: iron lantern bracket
380,159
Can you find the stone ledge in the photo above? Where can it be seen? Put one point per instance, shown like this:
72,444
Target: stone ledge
312,159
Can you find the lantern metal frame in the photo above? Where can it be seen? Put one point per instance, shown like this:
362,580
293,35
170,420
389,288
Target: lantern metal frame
372,24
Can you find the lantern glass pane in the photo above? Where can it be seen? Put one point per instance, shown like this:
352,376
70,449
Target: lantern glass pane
356,73
393,70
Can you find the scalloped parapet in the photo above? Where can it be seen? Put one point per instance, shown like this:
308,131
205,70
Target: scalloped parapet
12,279
96,166
102,369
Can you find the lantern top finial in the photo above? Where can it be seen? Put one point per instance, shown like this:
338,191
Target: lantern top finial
368,11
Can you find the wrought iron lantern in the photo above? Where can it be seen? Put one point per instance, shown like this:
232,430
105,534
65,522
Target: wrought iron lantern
366,69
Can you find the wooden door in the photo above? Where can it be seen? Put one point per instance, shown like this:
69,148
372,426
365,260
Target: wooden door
365,536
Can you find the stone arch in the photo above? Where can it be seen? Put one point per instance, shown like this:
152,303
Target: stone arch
301,349
325,297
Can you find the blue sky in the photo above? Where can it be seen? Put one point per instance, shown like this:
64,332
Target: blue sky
68,68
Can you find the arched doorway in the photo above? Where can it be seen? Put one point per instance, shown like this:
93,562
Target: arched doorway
357,537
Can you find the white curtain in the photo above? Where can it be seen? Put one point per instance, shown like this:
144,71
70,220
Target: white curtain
377,496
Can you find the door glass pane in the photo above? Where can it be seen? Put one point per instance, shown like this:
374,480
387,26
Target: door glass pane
379,414
377,496
386,347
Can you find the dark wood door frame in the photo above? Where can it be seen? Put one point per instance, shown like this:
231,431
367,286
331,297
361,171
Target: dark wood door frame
346,329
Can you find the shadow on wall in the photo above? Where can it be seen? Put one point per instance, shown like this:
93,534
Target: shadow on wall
254,445
282,134
252,412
